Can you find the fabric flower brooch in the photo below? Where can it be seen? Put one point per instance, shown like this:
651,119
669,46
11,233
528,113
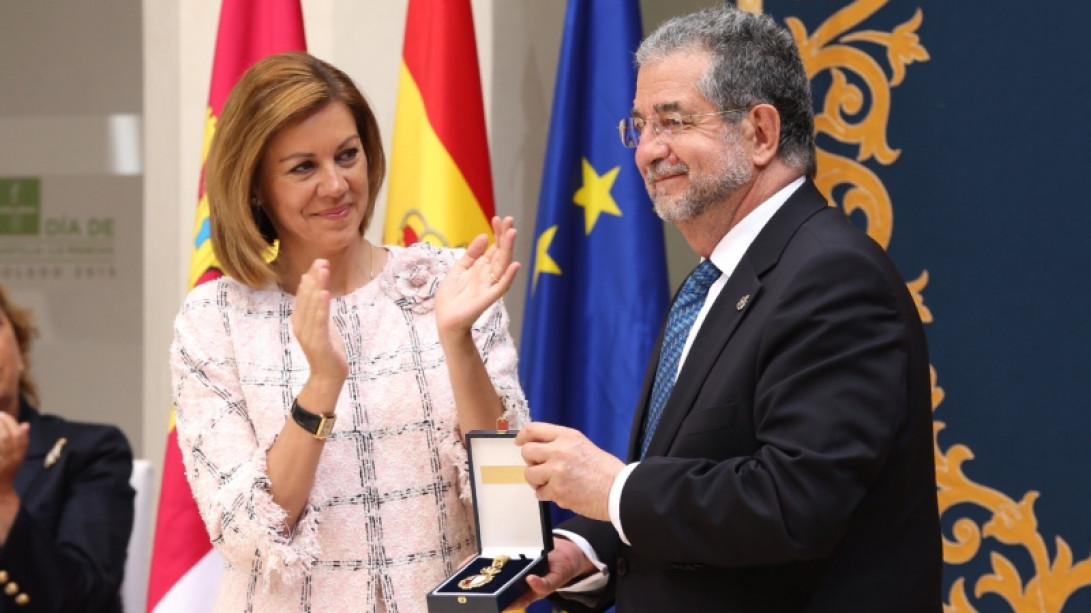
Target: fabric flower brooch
413,274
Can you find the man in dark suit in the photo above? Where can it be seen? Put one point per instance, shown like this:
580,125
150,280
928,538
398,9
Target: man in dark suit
66,506
781,454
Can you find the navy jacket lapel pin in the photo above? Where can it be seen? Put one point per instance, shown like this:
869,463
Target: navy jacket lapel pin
55,453
741,304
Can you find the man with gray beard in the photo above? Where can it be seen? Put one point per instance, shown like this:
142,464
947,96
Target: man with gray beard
781,454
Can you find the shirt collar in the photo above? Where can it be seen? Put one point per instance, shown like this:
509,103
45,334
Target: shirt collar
729,251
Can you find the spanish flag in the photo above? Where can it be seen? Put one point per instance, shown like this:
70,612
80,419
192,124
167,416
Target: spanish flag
184,568
440,180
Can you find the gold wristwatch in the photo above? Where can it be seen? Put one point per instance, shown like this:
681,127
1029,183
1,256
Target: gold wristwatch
319,425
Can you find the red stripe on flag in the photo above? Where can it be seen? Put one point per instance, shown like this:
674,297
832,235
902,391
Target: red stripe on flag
248,31
178,526
441,54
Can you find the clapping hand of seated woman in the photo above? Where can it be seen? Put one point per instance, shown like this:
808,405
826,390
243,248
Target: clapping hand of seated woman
480,277
14,438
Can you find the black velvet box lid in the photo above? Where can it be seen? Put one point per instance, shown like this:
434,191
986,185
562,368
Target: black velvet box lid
510,522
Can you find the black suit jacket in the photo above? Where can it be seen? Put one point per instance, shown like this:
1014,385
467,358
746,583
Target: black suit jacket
792,469
66,549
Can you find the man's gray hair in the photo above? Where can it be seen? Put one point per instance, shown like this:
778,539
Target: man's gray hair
754,61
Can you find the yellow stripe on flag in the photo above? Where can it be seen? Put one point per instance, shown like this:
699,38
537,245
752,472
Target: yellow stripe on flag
438,207
202,257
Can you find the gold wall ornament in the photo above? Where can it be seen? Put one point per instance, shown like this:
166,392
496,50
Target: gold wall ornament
834,48
830,50
754,6
916,290
866,193
1012,524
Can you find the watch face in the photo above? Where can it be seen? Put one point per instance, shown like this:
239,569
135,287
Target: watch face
325,427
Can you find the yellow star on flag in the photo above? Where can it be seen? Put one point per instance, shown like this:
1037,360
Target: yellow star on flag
542,261
595,196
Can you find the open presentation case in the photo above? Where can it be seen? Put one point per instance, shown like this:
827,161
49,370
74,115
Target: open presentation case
513,531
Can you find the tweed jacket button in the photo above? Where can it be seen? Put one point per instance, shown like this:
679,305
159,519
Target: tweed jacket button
22,600
11,589
3,576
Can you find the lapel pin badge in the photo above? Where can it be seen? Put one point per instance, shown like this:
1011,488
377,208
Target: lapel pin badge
741,304
55,453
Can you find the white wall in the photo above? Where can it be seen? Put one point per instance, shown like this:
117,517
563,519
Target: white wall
70,104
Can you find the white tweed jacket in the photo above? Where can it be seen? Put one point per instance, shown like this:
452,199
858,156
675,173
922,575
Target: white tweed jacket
389,516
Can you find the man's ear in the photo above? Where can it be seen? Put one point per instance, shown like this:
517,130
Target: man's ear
765,122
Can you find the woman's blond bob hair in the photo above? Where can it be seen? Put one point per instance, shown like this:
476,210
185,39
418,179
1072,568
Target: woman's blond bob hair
272,93
22,323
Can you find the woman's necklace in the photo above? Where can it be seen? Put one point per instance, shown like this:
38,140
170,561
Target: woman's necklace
370,266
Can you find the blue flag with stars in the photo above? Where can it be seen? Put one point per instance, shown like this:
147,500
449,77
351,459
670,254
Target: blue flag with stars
598,286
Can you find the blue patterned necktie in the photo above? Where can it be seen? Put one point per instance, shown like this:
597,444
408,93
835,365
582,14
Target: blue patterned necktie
683,312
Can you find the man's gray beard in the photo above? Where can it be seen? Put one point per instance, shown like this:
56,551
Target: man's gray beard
703,192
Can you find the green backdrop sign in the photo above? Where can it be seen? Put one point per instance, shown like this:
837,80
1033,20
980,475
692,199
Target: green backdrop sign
20,207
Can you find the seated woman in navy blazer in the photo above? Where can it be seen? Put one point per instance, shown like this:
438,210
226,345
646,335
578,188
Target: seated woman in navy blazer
66,507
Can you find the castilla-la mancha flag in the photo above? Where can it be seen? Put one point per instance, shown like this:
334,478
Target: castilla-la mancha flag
440,180
185,571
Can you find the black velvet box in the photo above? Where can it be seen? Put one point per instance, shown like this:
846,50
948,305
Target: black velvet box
510,521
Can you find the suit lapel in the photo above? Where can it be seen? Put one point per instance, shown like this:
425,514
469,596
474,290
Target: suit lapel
740,293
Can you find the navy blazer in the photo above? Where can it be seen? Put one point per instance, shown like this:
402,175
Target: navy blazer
792,469
66,549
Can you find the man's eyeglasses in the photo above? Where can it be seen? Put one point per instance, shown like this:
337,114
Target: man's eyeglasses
668,125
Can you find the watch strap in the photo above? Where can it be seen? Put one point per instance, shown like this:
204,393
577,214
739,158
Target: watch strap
319,425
